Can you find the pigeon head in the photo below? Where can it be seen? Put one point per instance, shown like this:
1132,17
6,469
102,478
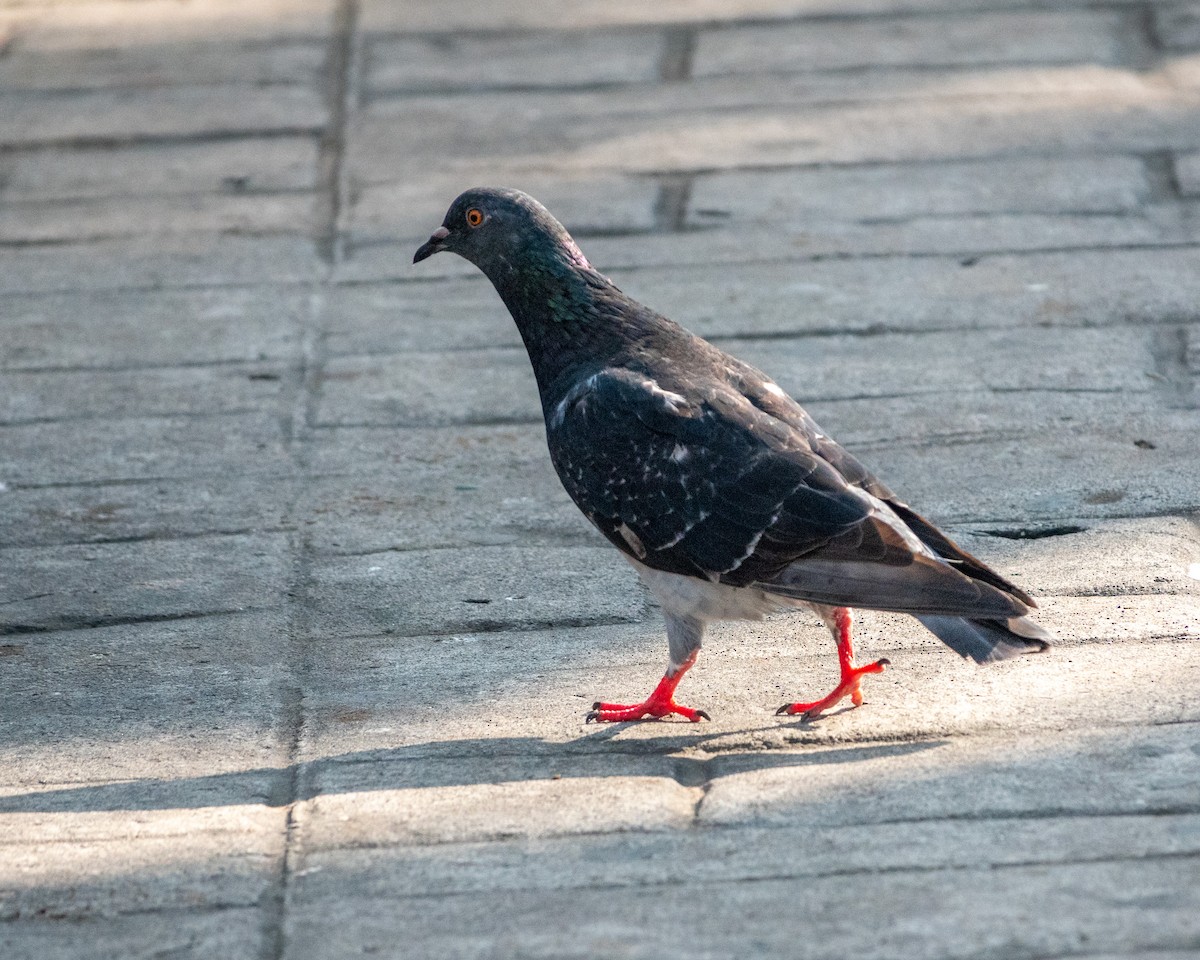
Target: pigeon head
566,312
498,230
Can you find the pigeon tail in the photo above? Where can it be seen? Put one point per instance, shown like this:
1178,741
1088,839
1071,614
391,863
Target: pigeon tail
986,641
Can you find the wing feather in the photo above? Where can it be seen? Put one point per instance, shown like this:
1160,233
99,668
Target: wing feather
733,481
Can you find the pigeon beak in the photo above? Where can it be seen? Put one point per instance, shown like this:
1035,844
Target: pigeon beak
431,246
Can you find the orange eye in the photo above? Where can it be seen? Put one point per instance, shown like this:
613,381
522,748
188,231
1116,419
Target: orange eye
474,217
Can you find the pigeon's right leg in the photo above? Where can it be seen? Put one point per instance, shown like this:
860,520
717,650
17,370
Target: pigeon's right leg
684,635
839,620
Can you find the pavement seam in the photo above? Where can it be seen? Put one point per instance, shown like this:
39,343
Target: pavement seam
115,142
302,399
799,17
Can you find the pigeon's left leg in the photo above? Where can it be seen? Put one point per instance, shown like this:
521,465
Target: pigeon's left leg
684,635
839,620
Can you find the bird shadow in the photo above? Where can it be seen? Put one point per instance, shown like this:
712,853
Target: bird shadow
449,763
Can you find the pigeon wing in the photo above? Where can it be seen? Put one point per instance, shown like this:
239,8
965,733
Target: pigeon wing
690,484
769,398
705,483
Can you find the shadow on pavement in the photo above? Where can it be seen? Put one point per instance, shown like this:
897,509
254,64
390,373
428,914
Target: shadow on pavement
451,763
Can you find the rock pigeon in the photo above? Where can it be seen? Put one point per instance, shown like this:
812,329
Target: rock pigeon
718,487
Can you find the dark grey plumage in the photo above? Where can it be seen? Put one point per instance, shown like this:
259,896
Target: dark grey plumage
715,484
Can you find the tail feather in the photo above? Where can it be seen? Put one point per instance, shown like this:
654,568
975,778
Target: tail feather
986,641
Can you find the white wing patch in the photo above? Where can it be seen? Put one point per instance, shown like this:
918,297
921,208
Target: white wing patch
574,395
634,541
774,389
672,401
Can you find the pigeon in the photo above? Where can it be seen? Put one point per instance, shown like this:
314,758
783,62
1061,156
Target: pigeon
720,490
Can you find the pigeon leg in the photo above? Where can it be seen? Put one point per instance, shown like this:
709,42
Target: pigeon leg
659,704
843,620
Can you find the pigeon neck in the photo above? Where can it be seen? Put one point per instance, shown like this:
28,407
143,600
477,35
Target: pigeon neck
557,301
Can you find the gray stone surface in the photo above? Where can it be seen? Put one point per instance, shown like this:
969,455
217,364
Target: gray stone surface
298,628
389,210
1177,26
235,933
157,327
443,591
771,120
1019,36
138,216
113,115
381,15
250,165
923,919
147,448
160,696
82,586
1187,174
450,62
173,260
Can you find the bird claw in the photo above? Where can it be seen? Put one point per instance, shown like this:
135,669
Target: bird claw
849,686
652,709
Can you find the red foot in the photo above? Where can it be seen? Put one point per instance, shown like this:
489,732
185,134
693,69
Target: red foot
851,675
660,703
614,712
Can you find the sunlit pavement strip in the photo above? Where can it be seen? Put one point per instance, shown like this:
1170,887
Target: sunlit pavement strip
297,629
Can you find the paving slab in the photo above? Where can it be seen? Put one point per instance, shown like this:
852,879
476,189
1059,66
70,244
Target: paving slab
968,40
641,859
38,222
93,512
1187,174
249,165
119,328
168,261
721,122
374,315
485,588
143,448
80,879
1127,906
1177,26
887,192
89,586
41,64
431,802
120,24
130,708
234,933
161,391
524,60
122,116
453,504
427,15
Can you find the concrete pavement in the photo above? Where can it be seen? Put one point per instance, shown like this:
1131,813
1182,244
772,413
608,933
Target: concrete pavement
297,628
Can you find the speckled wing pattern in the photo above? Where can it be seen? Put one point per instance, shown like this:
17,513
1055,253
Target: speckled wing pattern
705,479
